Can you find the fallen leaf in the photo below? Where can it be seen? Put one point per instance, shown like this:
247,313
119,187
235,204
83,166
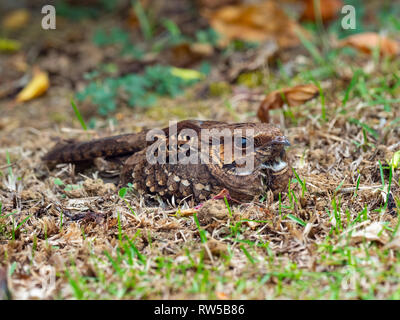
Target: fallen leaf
35,88
293,96
255,22
374,232
187,74
328,10
369,41
184,55
16,19
8,45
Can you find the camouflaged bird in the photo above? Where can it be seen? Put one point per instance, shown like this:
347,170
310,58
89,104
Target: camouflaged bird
261,143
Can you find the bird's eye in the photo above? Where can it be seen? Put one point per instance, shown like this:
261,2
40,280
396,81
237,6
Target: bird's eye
241,143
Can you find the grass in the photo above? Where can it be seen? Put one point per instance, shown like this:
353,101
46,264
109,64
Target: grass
144,22
352,84
78,115
14,230
358,279
131,275
202,233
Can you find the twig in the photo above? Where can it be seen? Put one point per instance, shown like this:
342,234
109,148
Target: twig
394,146
351,189
73,130
6,166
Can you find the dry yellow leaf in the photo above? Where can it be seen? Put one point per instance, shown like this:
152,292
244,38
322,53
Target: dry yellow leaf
369,41
293,96
35,88
16,19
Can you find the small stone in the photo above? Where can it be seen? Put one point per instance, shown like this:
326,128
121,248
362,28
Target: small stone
213,209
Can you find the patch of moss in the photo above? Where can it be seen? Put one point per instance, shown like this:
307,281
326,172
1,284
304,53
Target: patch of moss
251,79
57,117
177,111
221,88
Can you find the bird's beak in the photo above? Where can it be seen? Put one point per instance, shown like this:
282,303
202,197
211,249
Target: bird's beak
281,140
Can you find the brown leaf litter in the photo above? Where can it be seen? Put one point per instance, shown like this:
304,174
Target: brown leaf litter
367,42
326,10
255,22
293,96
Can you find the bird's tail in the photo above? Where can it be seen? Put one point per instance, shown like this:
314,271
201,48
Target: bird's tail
104,147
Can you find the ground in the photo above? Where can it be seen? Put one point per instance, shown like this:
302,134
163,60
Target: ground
333,234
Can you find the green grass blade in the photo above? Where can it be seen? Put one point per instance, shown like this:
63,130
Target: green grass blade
295,219
78,115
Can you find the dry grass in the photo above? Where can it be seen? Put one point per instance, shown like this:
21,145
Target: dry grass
96,245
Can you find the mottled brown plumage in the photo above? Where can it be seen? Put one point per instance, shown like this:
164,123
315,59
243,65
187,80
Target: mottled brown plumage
199,181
